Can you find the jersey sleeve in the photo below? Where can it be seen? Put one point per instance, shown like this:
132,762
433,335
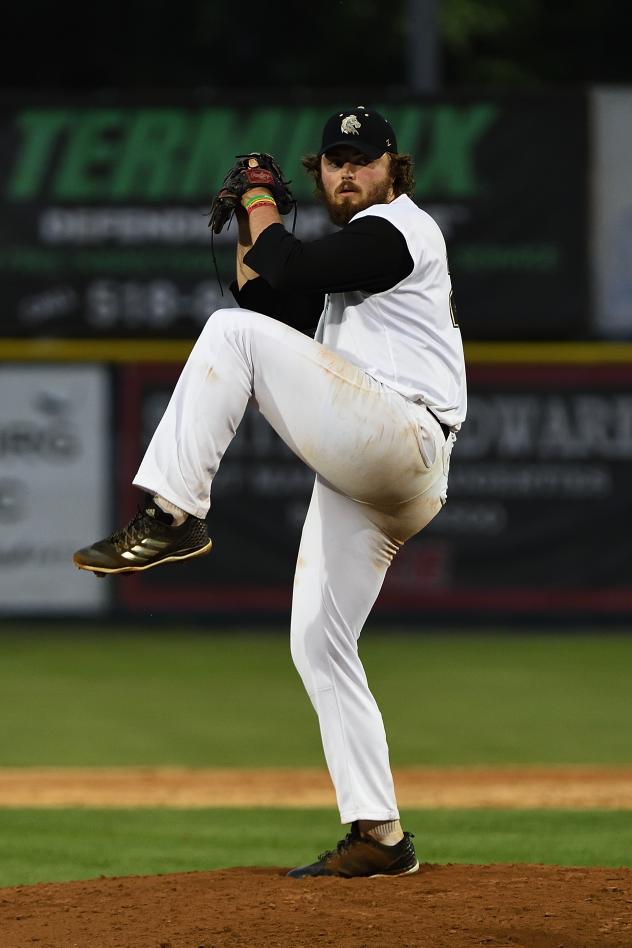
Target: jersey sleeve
299,310
369,254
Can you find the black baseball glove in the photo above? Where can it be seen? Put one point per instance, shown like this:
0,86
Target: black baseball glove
242,178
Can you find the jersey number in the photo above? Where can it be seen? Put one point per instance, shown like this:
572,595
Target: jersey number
453,312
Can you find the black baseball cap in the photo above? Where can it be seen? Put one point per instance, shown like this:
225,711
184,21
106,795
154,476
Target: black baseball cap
361,128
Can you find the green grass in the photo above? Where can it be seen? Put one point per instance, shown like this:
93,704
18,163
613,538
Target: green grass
59,845
236,700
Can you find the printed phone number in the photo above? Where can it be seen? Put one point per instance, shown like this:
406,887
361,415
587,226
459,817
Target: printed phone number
153,303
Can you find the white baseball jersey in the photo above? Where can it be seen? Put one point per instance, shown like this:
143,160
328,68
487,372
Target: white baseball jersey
406,336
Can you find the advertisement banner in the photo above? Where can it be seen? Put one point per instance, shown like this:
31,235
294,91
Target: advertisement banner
103,230
539,506
537,520
54,481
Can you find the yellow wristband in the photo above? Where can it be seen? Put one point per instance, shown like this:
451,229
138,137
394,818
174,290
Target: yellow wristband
260,197
258,204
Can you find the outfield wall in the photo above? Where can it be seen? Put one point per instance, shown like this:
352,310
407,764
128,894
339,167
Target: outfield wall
537,523
106,277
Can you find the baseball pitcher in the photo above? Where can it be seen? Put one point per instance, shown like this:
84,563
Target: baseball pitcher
372,405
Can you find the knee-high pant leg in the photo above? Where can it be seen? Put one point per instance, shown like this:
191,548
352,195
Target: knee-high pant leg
355,432
342,561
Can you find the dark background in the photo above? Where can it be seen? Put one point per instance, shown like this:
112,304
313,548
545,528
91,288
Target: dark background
307,49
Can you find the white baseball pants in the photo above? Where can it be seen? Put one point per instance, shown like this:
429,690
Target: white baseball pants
381,465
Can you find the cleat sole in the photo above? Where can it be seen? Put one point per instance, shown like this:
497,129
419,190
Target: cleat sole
102,571
395,875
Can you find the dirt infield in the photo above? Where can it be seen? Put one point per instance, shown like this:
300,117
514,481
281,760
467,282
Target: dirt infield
502,787
440,907
450,906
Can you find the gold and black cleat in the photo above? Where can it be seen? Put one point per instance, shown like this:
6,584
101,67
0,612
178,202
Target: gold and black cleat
359,855
149,539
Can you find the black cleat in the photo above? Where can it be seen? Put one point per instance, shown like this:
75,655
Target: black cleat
148,540
358,855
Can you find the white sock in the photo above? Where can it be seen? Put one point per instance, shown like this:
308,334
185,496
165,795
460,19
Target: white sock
179,515
388,833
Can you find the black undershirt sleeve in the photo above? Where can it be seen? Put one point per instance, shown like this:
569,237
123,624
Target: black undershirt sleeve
299,310
369,254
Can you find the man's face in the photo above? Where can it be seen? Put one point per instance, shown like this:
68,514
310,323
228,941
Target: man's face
352,182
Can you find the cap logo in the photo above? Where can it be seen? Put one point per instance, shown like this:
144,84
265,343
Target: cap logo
350,125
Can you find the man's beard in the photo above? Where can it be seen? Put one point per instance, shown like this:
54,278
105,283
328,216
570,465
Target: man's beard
340,213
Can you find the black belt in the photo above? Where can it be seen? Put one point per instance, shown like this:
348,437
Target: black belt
445,428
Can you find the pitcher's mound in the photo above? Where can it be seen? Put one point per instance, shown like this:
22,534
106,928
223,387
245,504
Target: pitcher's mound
451,906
